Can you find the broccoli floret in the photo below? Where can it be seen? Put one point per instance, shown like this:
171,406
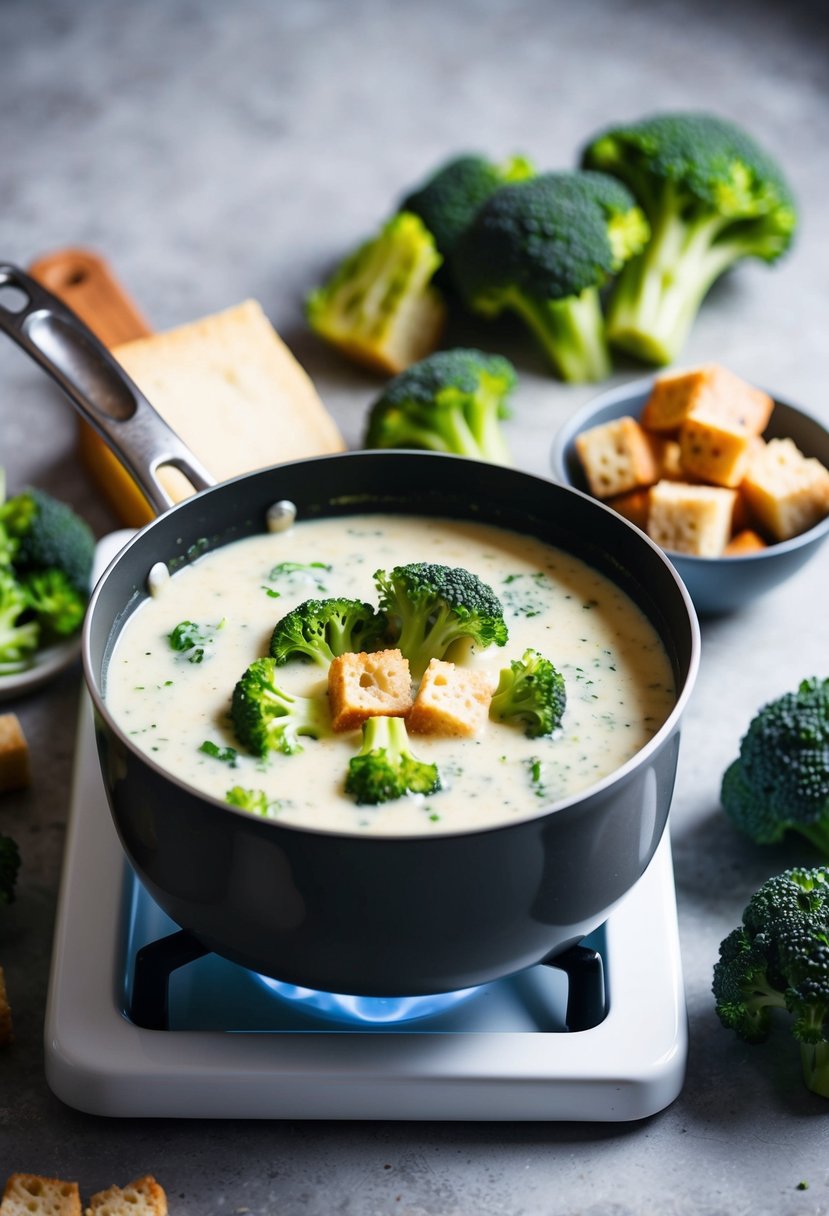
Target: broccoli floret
320,630
297,573
9,868
429,607
385,768
532,691
712,197
192,639
780,781
19,634
543,249
452,401
58,605
779,958
448,200
380,307
48,535
255,801
266,718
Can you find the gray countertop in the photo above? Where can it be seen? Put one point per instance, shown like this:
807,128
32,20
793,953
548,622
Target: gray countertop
219,151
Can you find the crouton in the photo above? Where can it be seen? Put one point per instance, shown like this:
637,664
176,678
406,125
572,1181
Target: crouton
33,1195
451,700
364,686
745,541
711,389
714,450
633,506
690,518
6,1026
617,456
143,1197
786,491
670,461
15,771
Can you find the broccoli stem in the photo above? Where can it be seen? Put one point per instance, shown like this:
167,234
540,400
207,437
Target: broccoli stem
815,1060
817,833
659,293
571,332
483,418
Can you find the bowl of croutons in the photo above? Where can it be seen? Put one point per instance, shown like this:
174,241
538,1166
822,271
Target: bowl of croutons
732,483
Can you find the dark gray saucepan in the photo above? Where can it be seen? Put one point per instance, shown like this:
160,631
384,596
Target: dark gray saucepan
359,914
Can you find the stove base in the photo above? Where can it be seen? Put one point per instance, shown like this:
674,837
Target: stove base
628,1067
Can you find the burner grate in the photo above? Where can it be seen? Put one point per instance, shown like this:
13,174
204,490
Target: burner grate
148,997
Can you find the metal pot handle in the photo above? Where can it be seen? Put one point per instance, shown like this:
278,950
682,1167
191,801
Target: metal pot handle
97,385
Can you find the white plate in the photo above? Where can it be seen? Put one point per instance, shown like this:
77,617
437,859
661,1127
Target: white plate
50,662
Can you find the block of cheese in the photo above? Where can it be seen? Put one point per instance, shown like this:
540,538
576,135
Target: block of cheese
786,491
676,396
231,389
691,518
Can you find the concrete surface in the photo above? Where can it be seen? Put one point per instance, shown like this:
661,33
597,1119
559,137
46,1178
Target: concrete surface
217,151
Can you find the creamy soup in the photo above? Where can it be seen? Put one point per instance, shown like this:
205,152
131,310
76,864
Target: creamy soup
618,678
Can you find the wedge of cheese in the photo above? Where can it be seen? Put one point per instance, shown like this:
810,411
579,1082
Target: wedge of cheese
229,386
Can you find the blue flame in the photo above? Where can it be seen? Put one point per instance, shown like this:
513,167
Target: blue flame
369,1010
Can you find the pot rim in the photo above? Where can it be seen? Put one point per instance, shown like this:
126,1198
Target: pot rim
617,777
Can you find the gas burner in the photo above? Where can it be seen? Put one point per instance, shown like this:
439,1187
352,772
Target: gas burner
367,1010
142,1021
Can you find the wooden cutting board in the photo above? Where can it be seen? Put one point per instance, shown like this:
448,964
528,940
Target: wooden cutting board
86,283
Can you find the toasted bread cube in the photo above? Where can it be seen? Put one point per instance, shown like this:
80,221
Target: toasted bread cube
786,491
741,519
451,700
143,1197
670,461
711,389
616,456
364,686
33,1195
691,518
714,450
15,771
633,506
6,1026
745,541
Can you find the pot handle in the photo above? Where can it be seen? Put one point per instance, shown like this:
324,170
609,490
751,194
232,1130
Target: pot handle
99,388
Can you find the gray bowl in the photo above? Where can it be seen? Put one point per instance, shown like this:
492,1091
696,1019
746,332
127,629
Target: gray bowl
716,584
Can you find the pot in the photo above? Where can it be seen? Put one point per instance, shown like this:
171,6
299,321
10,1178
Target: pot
367,915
